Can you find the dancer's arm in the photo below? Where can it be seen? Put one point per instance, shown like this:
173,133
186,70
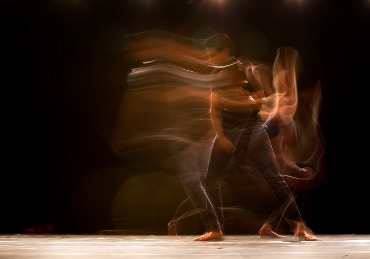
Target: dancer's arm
217,125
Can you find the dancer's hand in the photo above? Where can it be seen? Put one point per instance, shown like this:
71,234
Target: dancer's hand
226,144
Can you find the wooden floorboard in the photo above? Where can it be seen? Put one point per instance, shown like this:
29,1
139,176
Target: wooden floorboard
162,246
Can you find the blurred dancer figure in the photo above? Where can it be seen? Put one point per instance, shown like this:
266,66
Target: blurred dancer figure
296,142
241,137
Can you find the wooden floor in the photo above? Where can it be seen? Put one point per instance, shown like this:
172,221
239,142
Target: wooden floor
157,246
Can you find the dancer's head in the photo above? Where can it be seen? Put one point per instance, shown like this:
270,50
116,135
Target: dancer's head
220,48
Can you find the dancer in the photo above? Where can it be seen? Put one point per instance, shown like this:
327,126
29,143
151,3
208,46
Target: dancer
241,136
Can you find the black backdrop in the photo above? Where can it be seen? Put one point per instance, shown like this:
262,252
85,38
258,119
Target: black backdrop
60,67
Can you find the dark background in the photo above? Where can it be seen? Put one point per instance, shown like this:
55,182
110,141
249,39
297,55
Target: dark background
62,63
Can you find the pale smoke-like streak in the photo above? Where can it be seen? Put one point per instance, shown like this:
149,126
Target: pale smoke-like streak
164,115
166,105
165,108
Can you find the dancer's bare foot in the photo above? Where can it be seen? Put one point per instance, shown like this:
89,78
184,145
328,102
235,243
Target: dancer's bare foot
304,233
266,231
213,235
